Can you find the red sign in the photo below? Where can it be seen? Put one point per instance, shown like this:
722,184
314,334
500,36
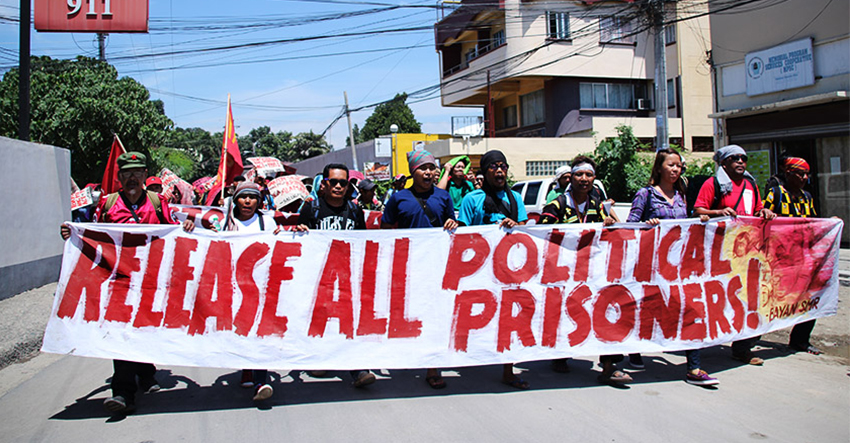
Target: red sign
91,15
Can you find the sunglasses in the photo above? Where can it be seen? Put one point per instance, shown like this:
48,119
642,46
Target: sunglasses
739,157
337,181
133,173
494,166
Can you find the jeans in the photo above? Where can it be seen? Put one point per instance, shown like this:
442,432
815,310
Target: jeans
124,377
693,357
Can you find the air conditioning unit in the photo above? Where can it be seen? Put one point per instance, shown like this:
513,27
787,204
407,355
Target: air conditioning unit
642,104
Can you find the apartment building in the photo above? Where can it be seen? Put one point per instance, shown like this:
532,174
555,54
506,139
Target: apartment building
782,76
575,70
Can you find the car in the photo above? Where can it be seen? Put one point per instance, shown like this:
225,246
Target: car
534,192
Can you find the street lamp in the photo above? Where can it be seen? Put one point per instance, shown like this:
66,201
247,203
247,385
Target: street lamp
394,130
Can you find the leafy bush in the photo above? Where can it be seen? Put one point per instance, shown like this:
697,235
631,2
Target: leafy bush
620,167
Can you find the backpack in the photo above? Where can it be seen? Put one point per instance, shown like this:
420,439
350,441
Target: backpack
152,196
495,205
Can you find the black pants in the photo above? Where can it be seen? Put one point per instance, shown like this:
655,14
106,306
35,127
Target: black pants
124,377
800,334
743,347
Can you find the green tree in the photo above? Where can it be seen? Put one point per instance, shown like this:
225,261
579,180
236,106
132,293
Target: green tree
386,114
198,144
78,104
357,137
308,144
620,167
262,142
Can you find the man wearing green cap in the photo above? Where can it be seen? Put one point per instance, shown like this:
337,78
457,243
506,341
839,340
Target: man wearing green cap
131,205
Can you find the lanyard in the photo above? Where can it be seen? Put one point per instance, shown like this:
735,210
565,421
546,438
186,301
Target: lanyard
582,218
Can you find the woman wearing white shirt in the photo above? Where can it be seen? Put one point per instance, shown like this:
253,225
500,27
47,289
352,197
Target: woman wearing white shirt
245,216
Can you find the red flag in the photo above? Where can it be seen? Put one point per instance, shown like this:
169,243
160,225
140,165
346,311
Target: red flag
230,164
110,182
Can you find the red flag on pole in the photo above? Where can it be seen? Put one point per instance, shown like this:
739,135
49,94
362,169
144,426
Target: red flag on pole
110,182
230,164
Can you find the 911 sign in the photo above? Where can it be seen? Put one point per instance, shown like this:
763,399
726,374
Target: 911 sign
91,15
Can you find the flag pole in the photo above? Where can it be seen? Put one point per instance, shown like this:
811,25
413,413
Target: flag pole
120,144
223,147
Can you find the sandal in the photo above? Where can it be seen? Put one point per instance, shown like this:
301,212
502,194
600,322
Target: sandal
614,377
435,382
517,383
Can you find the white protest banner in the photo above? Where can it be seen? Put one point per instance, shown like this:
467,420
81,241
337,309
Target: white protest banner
427,298
266,166
82,198
287,189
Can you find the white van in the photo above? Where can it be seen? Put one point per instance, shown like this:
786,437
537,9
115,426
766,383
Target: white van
534,192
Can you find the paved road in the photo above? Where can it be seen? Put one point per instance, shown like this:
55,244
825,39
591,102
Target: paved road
793,398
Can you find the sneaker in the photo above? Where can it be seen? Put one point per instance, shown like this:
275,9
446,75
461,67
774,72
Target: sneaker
364,378
561,366
636,361
263,392
119,405
701,378
318,373
247,379
149,385
748,358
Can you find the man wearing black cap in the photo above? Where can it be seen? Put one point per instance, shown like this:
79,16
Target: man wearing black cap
495,203
366,200
132,205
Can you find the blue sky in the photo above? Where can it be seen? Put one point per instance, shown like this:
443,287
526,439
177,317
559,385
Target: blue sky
299,94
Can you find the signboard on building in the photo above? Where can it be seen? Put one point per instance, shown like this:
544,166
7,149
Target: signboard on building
758,165
91,15
781,67
376,171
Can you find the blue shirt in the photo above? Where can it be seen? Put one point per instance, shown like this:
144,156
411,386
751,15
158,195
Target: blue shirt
404,209
472,208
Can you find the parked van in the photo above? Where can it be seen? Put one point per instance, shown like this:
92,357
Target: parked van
534,192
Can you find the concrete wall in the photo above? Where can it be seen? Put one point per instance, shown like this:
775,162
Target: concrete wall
36,180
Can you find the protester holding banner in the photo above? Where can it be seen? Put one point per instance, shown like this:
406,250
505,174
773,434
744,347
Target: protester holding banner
366,200
579,204
246,216
495,203
423,205
131,205
454,180
664,199
332,210
791,200
733,191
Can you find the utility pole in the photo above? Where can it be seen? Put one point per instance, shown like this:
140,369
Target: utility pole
352,142
24,73
101,46
656,14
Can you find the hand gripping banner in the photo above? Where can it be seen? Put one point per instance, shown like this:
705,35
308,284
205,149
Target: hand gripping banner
426,298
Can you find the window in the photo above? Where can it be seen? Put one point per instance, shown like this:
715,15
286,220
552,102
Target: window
532,106
610,95
558,25
498,38
616,30
509,116
531,193
670,34
671,93
543,167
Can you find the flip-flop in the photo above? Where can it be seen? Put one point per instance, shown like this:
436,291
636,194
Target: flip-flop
615,377
813,350
435,382
517,383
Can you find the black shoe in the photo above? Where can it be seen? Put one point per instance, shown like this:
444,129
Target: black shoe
636,361
119,405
